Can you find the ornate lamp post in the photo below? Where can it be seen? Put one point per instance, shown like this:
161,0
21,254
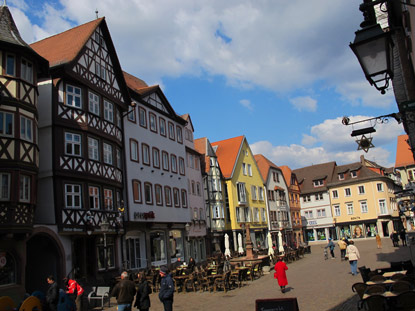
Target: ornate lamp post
105,226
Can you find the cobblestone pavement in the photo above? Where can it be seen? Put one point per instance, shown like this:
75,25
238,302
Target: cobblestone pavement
317,284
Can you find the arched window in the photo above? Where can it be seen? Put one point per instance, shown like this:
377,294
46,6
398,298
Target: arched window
7,268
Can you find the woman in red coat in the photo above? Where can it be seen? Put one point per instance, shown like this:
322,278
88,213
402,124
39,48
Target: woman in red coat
279,274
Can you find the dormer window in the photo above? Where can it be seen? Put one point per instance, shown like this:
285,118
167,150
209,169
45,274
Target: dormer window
341,176
318,183
353,174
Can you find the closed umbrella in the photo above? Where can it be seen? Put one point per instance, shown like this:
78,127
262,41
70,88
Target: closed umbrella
280,246
270,250
227,250
240,249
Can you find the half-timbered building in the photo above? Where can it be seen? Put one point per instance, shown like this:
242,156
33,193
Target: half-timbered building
81,165
156,179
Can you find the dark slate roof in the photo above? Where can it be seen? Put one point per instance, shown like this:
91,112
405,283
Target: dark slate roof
363,173
8,30
308,174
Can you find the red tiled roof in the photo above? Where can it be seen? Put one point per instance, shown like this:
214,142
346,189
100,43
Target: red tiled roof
227,153
134,82
264,165
404,155
286,171
56,48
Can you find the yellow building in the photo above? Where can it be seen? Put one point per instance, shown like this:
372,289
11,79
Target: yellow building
245,190
363,201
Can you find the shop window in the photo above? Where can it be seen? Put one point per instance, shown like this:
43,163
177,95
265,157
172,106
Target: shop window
133,251
321,234
106,255
158,248
176,245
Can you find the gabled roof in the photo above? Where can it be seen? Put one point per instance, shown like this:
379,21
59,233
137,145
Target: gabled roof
404,155
227,152
306,176
264,165
66,46
286,171
363,173
186,117
10,36
134,82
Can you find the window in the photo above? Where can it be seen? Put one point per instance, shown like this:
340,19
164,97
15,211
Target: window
73,96
26,128
72,196
264,217
363,207
72,144
306,198
137,191
379,186
308,214
106,255
159,194
347,192
108,199
142,117
382,207
133,251
261,193
24,191
173,163
119,119
238,214
156,158
93,151
172,135
27,71
361,189
131,113
118,157
181,166
148,193
349,208
335,194
256,214
4,186
193,190
319,196
341,176
253,193
249,170
146,154
190,160
353,174
176,197
153,122
108,111
321,213
410,175
165,160
244,169
198,189
318,183
134,150
10,65
100,71
107,154
241,192
167,195
247,214
6,124
179,134
184,198
93,103
93,197
336,210
162,125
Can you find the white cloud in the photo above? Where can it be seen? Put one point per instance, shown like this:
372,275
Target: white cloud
331,141
304,103
246,103
280,45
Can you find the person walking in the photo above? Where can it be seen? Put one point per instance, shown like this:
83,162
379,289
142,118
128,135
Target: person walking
279,274
331,246
352,253
166,289
75,292
124,291
395,238
52,294
142,298
342,245
378,241
402,235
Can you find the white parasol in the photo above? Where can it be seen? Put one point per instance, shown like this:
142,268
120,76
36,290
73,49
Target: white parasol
240,249
270,250
227,250
280,246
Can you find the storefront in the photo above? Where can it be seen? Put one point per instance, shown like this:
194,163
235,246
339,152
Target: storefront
359,229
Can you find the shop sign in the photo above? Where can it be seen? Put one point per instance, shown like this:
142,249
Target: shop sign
147,215
355,218
312,222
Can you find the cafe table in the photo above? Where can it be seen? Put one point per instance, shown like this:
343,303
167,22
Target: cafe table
385,282
387,294
391,273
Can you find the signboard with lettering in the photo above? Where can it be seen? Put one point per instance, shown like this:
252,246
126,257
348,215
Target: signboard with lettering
277,304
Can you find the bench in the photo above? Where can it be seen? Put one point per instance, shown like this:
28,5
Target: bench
100,293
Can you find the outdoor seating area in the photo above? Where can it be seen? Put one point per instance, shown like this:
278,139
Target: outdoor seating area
389,288
31,303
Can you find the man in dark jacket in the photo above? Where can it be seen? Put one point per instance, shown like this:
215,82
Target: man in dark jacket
52,295
124,292
166,289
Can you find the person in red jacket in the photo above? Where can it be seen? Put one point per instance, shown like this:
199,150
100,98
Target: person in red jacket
280,275
73,289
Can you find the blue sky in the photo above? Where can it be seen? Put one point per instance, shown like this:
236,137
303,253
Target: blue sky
279,72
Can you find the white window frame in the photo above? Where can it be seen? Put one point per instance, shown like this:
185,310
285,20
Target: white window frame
26,70
181,166
108,111
131,114
353,174
173,159
26,128
341,176
337,210
244,170
73,96
5,179
6,117
260,193
349,207
24,188
256,214
93,149
107,148
162,126
146,154
75,195
382,205
179,134
335,194
241,192
254,193
249,169
360,188
10,68
380,189
363,207
347,190
108,199
93,103
153,122
156,157
94,197
134,150
74,141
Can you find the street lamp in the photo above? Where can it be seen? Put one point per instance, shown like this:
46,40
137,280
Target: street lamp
187,227
105,226
372,47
